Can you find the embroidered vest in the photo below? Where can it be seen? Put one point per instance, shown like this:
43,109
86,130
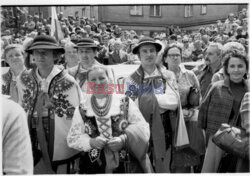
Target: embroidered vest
118,125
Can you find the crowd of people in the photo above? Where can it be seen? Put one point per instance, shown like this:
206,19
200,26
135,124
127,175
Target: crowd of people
162,118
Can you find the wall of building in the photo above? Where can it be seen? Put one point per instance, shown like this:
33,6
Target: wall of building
170,14
45,11
83,11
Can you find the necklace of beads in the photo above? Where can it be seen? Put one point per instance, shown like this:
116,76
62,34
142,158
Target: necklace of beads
101,110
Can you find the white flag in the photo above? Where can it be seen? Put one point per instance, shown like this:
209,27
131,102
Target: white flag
56,29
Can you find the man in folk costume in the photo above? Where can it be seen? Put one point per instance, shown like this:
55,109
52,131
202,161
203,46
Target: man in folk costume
153,90
86,53
49,95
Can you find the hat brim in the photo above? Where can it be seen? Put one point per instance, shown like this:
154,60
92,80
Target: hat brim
59,49
157,46
86,46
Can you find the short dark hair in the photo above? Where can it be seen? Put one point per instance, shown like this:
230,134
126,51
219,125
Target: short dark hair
237,54
166,50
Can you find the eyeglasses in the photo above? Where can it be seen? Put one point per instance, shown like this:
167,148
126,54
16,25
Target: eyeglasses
174,55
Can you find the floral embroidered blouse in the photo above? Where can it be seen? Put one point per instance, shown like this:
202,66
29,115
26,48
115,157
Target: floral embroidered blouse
80,132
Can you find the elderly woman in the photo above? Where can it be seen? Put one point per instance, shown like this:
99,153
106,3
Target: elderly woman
110,129
71,59
182,161
14,56
221,105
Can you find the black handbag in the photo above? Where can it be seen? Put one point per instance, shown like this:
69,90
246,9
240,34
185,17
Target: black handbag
193,98
233,140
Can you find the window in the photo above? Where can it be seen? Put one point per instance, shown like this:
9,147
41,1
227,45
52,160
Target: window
76,14
203,9
83,12
155,10
92,11
136,10
188,10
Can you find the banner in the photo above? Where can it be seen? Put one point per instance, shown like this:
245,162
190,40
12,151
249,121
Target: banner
56,30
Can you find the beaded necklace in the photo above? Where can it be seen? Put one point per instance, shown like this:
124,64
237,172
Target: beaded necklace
101,110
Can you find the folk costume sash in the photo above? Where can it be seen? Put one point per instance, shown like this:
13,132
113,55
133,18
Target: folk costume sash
43,101
149,107
81,75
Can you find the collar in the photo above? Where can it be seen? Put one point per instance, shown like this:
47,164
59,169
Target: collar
208,68
55,70
155,73
227,83
182,68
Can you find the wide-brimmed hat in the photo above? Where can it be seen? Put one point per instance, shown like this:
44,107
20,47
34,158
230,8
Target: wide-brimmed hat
85,43
45,42
144,41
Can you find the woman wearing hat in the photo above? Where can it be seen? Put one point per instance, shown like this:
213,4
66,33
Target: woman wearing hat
86,53
154,91
48,95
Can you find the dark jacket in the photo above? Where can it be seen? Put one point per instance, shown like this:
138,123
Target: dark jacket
216,106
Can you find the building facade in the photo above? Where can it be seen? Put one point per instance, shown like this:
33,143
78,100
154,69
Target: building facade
154,18
80,11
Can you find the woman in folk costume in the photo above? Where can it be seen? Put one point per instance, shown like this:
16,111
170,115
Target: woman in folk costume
86,52
48,95
14,56
110,129
153,90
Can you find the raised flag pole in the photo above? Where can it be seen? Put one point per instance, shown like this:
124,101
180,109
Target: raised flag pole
56,29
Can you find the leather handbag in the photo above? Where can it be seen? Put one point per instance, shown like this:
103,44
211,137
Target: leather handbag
193,98
233,140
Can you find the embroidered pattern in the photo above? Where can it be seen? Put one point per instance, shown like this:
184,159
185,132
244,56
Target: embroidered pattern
118,124
5,90
94,154
29,92
62,106
132,91
6,83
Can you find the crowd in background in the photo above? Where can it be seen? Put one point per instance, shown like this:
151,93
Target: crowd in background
115,44
44,89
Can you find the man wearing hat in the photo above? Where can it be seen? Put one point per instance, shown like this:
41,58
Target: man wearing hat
152,88
86,53
49,96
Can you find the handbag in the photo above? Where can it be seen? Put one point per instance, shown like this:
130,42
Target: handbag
193,98
195,134
233,140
